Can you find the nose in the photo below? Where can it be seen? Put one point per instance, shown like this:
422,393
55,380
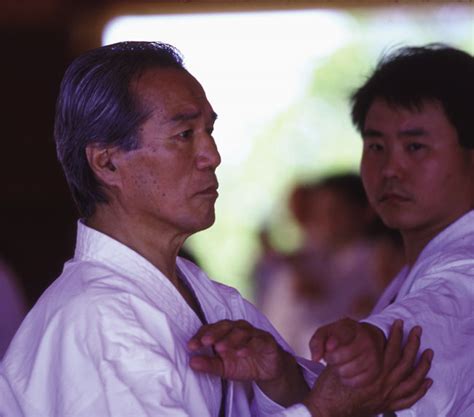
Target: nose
392,164
208,156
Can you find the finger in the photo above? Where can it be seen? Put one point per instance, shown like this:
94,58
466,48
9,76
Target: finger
332,336
208,334
393,348
354,355
341,333
318,342
263,344
405,364
416,379
235,339
411,399
353,368
207,364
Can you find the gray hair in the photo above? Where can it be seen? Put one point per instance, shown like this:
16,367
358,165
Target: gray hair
97,106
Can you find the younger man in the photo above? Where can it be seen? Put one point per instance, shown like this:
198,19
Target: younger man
415,117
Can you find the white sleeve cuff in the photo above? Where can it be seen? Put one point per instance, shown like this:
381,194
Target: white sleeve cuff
297,410
267,407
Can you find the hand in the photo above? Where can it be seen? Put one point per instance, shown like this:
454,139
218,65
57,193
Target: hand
245,353
353,350
399,385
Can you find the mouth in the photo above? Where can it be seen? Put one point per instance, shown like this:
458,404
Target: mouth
393,198
210,191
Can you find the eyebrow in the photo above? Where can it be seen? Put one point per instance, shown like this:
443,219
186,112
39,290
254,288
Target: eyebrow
416,131
410,132
183,117
371,133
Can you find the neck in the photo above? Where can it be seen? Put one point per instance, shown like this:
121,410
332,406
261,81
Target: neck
159,247
413,246
415,240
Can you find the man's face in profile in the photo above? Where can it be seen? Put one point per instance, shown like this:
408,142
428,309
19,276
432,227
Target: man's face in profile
169,182
416,174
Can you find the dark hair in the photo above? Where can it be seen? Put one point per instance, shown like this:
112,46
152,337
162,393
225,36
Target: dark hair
96,105
348,185
410,75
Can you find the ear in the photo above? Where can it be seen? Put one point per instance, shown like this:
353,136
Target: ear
101,160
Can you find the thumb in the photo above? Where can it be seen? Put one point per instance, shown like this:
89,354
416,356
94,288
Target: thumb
317,344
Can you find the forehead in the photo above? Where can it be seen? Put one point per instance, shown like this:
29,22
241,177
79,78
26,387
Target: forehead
384,114
166,92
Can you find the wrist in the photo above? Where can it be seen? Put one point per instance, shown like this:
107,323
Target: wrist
315,408
290,386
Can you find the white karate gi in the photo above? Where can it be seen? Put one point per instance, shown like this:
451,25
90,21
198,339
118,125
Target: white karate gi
109,336
437,293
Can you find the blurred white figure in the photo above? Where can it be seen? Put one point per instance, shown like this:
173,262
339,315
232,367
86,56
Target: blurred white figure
332,275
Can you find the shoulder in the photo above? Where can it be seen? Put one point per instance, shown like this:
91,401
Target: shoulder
453,267
452,249
449,256
86,298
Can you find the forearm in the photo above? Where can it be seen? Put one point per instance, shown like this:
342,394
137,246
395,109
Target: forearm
290,388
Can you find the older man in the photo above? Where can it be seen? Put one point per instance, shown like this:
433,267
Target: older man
129,328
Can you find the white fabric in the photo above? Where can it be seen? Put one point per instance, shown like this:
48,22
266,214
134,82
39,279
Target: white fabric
438,294
108,338
298,410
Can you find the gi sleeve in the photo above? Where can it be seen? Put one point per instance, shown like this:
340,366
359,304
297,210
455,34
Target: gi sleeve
441,301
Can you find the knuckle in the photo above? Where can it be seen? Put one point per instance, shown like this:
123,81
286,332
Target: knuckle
242,324
225,323
239,332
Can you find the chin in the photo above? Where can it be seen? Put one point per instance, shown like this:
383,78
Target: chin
390,219
399,222
212,220
204,224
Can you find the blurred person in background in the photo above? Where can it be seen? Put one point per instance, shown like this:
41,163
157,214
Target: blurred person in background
266,266
13,305
332,275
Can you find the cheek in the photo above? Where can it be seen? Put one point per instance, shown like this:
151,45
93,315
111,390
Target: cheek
364,165
370,183
366,174
143,179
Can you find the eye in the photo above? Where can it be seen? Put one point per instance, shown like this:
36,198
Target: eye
186,134
415,146
374,146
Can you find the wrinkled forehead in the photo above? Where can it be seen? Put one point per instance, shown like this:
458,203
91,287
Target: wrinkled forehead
168,88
